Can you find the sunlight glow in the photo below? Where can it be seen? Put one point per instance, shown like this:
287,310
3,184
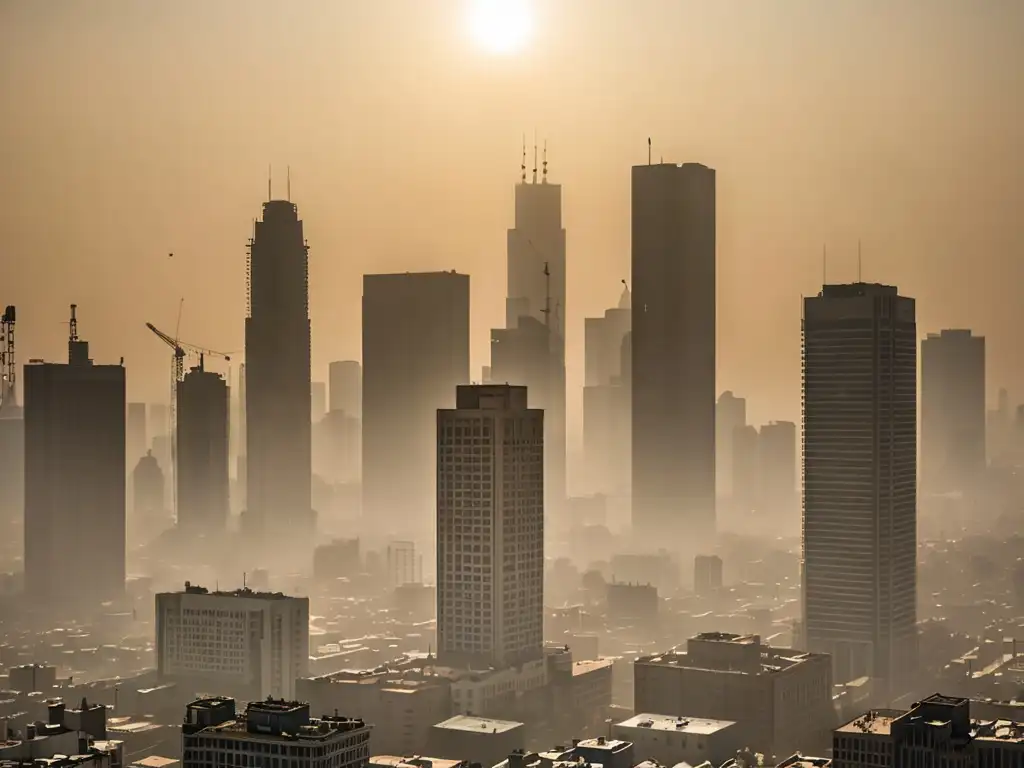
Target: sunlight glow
500,26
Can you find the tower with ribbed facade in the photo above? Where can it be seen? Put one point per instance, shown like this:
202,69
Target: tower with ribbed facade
277,385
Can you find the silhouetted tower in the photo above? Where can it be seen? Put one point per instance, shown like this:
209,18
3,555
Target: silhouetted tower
860,479
536,295
673,342
277,383
12,431
202,476
74,478
150,516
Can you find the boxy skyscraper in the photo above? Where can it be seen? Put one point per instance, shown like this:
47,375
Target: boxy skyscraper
74,479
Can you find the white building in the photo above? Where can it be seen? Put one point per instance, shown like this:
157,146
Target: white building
250,643
270,733
671,740
490,528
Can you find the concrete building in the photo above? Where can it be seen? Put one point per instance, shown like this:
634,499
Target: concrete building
780,699
136,434
279,513
936,731
202,472
74,478
30,678
860,479
150,515
670,739
271,732
673,349
952,411
746,467
707,574
777,450
255,644
415,352
480,740
730,415
345,387
490,528
632,605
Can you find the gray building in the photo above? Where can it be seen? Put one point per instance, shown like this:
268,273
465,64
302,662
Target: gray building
730,415
490,528
860,479
673,349
952,411
203,476
345,387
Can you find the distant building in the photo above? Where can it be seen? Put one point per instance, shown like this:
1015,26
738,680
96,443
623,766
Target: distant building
730,415
74,478
477,739
707,574
136,434
633,604
860,479
490,595
213,734
32,678
780,699
952,411
670,739
746,467
317,401
12,468
253,643
345,388
415,352
777,468
673,348
202,471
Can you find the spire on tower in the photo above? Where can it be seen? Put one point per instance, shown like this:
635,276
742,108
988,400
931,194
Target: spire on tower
544,173
288,183
522,168
270,183
534,157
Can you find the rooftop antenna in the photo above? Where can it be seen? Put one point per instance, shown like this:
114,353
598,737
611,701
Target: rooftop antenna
270,183
858,262
288,184
522,168
824,265
534,157
544,172
547,297
73,325
648,150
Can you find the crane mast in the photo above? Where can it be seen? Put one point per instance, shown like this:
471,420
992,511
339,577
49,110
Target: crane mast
8,368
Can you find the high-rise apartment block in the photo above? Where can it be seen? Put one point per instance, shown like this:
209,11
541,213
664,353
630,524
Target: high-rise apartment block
74,478
860,479
202,476
277,377
150,516
345,387
952,411
673,348
490,528
251,644
415,353
730,415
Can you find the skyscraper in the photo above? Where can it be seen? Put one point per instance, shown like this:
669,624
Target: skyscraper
150,517
490,542
202,477
415,352
860,473
536,300
277,384
137,437
673,342
777,445
74,478
952,411
730,415
345,387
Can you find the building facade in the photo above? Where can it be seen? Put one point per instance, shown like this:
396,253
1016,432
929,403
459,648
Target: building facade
490,528
860,479
203,475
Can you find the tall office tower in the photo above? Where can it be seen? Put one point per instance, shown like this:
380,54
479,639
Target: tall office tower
490,542
952,411
12,472
345,387
606,407
730,414
673,354
158,422
245,643
998,431
202,476
137,441
860,479
74,478
318,401
415,352
778,457
536,300
277,385
150,515
746,467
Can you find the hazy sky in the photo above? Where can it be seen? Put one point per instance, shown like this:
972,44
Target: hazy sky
131,129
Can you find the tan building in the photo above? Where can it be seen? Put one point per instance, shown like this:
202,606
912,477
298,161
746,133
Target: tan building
780,698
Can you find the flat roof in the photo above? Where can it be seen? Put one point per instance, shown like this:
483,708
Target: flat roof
695,725
478,724
877,722
155,761
417,760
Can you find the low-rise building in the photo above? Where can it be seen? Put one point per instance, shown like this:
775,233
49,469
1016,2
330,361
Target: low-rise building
477,739
669,739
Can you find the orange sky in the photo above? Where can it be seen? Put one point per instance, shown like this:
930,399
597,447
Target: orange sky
131,129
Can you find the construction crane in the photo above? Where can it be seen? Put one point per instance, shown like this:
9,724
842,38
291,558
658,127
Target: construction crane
181,349
8,369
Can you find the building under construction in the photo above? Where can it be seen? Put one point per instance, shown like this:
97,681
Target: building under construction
277,385
202,447
12,441
74,479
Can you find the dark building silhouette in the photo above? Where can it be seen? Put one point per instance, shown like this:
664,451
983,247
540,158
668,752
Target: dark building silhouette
535,311
778,468
137,436
606,406
12,436
345,390
490,612
730,415
202,477
317,400
277,384
74,478
150,516
415,353
952,411
860,479
673,341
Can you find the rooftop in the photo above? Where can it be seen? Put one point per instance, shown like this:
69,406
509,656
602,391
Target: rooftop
478,724
195,589
415,760
695,725
876,721
612,745
801,761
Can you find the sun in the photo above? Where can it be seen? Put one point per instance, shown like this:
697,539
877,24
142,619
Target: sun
500,26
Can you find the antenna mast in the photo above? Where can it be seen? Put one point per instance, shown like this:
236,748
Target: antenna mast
534,157
8,368
544,172
859,280
270,183
73,325
547,297
648,150
522,169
